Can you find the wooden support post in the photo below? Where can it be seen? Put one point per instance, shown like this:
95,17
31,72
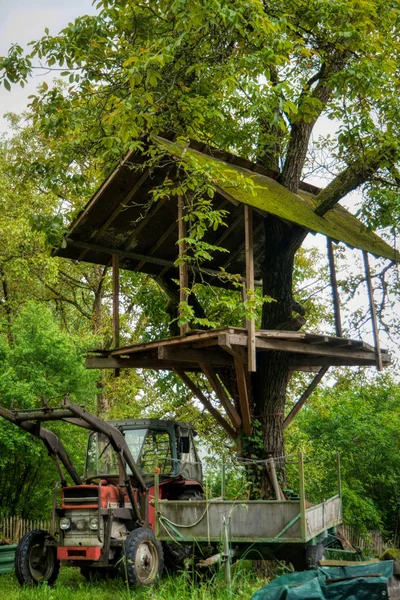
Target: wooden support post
243,395
206,403
115,303
302,494
221,394
335,292
304,397
183,266
251,326
373,312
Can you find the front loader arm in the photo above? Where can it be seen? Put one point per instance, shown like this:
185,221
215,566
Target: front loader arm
50,440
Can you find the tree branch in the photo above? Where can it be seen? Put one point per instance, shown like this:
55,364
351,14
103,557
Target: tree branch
353,176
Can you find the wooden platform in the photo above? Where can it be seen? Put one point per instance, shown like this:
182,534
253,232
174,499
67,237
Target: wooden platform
218,348
208,352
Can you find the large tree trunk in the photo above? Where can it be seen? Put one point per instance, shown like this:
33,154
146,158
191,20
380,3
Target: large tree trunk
270,381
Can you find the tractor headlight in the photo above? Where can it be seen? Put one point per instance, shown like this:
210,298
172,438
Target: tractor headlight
94,523
65,523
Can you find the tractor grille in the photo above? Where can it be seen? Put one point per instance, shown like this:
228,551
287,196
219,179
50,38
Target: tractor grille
80,496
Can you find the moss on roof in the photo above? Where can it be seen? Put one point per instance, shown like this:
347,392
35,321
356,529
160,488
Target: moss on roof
268,195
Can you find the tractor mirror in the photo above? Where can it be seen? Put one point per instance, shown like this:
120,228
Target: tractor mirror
184,444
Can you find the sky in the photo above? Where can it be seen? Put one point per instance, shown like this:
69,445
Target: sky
23,21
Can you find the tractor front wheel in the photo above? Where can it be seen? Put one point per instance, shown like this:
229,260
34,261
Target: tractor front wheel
143,558
34,561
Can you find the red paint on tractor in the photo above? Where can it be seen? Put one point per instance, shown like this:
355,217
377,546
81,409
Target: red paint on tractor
78,553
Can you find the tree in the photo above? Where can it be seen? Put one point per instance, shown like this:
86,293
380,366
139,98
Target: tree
250,76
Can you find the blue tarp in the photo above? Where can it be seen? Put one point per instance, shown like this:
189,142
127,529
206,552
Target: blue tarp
360,582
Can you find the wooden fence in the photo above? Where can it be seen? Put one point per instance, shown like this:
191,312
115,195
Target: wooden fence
371,540
13,528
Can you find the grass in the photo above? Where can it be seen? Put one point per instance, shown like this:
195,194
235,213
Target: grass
71,584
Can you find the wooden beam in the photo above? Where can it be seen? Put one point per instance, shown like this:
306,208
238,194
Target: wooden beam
243,395
334,287
115,304
373,312
233,255
304,397
159,243
121,206
139,257
221,395
251,326
137,362
145,221
206,403
183,266
115,299
185,355
301,347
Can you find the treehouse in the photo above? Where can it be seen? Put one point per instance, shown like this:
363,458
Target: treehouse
123,226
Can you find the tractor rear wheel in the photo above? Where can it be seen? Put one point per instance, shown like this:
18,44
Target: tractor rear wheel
143,558
34,561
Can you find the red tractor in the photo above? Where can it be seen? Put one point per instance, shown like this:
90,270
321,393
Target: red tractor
106,520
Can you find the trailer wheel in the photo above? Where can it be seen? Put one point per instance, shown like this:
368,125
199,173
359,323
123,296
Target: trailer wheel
144,558
34,562
313,555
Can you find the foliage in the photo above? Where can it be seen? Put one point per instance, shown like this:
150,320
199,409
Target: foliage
359,420
41,362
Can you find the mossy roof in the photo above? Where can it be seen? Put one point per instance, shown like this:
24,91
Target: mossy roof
267,195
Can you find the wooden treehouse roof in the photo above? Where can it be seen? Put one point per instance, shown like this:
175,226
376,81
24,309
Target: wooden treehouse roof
121,218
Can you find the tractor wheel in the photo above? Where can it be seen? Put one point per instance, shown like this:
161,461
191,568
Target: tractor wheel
175,555
313,555
34,562
143,558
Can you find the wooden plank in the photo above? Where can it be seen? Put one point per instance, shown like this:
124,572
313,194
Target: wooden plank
183,266
122,205
241,248
334,287
115,304
206,403
159,243
251,326
215,358
373,312
301,363
184,340
112,362
139,257
243,395
304,397
84,213
221,395
302,348
144,222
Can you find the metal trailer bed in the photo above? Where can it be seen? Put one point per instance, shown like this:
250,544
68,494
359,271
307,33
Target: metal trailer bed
266,527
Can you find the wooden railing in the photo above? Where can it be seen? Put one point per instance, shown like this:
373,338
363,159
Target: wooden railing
13,528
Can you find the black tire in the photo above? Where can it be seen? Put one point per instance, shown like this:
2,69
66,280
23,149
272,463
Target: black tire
313,555
175,555
143,558
34,562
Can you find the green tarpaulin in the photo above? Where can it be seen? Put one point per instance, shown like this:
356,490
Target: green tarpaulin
361,582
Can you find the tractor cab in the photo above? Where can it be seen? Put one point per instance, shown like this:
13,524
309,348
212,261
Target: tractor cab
153,443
